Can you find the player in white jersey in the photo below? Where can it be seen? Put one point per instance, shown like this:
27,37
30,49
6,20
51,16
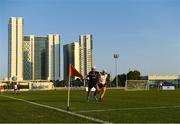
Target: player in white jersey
101,87
15,88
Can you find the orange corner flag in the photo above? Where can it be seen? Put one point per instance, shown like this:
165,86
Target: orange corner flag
74,72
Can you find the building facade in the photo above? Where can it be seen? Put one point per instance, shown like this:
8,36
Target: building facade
79,54
35,58
15,47
71,56
86,46
53,47
42,57
28,57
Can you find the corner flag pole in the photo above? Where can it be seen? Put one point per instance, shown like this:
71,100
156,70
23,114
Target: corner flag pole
69,84
72,72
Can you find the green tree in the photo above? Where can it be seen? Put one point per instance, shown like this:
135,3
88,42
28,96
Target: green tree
121,80
62,83
113,83
108,79
134,75
77,82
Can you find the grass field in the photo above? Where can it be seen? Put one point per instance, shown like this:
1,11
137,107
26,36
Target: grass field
117,106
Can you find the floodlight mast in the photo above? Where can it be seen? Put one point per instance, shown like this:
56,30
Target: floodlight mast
116,56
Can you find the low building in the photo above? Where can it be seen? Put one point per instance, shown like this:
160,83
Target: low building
166,80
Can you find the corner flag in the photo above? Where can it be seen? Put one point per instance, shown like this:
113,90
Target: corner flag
74,72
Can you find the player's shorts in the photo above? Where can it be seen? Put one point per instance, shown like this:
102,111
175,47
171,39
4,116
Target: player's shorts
91,85
101,85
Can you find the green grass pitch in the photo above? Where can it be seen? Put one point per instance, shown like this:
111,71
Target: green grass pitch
152,106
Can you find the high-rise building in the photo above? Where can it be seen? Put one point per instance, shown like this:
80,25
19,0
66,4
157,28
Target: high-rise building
35,58
79,54
15,48
86,46
32,57
71,56
42,57
53,57
28,55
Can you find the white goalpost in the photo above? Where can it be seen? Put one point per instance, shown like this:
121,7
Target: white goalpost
134,85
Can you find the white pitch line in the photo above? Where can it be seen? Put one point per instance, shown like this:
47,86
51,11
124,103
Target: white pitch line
60,110
124,109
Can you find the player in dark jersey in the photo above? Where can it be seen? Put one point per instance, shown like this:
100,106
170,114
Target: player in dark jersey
92,80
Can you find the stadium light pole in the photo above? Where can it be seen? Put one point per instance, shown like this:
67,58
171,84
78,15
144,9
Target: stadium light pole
116,56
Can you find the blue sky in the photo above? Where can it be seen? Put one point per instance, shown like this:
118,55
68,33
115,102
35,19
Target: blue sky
145,33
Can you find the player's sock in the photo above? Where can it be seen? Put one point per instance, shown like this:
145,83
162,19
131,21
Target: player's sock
87,98
95,98
100,99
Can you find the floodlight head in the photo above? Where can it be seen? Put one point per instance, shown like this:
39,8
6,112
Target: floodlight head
116,56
